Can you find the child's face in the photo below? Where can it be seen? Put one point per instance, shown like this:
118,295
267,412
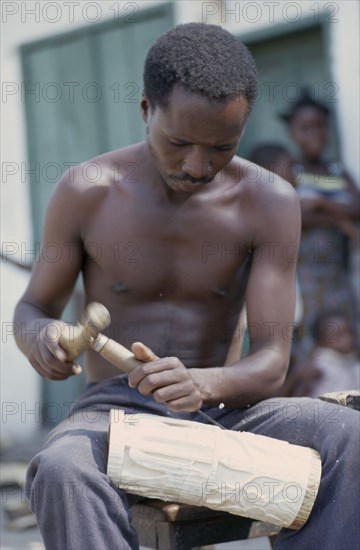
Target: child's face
309,130
339,335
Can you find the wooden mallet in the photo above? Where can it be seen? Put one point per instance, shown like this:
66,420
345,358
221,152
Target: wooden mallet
87,334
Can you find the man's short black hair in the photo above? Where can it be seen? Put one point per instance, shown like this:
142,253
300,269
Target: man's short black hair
204,59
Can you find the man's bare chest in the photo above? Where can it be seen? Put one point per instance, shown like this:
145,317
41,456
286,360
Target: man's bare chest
182,252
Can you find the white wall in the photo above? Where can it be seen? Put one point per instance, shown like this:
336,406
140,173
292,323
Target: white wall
20,384
345,67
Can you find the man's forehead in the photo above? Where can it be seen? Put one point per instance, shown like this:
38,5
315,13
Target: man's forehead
180,97
189,116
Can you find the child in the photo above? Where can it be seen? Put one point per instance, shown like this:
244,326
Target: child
334,358
333,365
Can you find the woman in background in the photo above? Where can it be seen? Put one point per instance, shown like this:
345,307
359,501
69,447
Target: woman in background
330,210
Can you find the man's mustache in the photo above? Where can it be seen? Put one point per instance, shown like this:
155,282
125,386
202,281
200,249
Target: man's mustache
190,179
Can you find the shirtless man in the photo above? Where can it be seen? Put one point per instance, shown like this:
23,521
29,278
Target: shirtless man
195,231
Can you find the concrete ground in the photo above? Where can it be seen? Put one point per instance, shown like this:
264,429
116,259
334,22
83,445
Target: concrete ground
30,539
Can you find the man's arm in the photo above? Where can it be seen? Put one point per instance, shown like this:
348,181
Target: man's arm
270,304
52,280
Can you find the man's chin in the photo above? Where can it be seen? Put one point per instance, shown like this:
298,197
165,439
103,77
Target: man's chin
184,186
181,187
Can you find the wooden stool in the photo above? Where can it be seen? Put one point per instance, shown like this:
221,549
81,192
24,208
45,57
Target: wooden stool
350,399
170,526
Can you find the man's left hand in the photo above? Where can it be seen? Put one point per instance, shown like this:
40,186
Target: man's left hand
167,380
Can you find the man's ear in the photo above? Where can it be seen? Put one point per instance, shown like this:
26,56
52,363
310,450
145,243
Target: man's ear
145,108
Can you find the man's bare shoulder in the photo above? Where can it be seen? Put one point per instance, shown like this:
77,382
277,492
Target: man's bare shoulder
103,171
258,181
85,187
273,202
258,184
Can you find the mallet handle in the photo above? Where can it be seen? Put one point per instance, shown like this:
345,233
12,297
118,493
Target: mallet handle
123,359
115,353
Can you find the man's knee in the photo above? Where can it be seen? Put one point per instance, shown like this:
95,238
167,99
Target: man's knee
52,476
331,429
340,430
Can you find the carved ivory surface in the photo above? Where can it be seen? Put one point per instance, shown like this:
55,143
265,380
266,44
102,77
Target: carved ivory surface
193,463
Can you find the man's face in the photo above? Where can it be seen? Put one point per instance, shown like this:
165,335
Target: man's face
193,138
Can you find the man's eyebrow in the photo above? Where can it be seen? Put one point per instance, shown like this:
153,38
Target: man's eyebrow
180,140
233,142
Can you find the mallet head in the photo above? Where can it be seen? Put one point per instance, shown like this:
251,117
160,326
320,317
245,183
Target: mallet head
75,339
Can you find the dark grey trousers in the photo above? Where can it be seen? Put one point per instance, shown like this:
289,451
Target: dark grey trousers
78,508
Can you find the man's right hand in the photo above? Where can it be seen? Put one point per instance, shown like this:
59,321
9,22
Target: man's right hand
47,356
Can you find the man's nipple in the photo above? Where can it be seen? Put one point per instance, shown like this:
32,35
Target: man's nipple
119,287
221,292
